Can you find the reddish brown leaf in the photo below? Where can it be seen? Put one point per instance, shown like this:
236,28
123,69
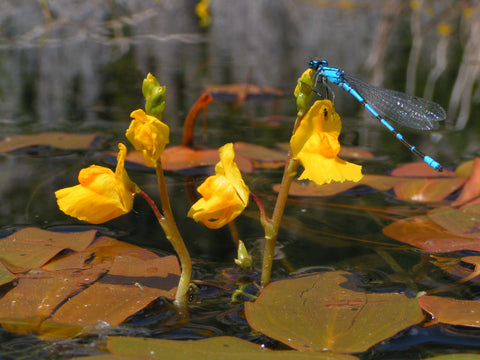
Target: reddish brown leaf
55,140
242,92
452,311
5,275
471,190
330,312
261,156
429,236
181,157
462,222
420,169
31,247
136,278
355,153
427,190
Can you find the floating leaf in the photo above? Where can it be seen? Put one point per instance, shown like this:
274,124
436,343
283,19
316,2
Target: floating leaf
261,156
465,169
378,182
102,284
471,190
330,311
242,92
452,311
311,189
463,222
429,236
420,169
456,357
355,153
181,157
31,247
5,275
54,139
221,348
427,190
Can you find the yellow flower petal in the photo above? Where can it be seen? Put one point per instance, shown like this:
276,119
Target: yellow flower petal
102,195
315,144
225,194
148,135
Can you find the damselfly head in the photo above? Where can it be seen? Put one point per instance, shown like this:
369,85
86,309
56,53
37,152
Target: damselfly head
317,64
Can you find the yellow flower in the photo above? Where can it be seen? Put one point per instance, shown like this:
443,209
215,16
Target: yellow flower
315,144
225,194
102,194
148,135
202,9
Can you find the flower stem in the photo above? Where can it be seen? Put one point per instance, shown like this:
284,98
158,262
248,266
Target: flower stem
172,233
272,225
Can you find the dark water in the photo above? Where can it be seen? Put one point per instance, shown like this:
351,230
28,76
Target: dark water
77,67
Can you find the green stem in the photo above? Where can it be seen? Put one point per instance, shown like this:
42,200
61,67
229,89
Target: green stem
271,226
172,233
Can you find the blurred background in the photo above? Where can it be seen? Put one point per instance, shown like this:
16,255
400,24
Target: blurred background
77,66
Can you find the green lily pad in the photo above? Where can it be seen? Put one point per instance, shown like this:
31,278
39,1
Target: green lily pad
330,312
462,222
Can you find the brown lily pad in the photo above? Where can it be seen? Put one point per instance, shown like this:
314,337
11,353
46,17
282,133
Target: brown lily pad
427,190
427,235
452,311
32,247
54,139
330,312
215,348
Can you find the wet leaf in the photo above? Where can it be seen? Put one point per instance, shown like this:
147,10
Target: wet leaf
176,158
31,247
330,311
221,347
261,156
242,92
5,275
420,169
452,311
463,222
299,188
378,182
427,190
355,153
465,169
54,139
456,357
471,190
135,279
76,292
429,236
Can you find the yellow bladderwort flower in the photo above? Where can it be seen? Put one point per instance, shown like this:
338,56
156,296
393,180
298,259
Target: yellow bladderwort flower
202,9
225,194
315,144
102,194
148,135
